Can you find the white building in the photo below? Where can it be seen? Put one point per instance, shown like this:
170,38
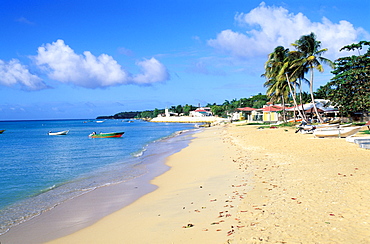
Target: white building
201,112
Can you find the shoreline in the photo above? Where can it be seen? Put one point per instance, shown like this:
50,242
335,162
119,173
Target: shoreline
195,202
238,184
83,210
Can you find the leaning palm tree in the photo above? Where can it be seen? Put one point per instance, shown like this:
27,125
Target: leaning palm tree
278,92
276,74
293,74
311,59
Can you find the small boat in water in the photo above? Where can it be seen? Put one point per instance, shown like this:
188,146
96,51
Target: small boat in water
106,135
2,131
65,132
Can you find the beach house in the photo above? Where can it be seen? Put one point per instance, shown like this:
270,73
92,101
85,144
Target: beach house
268,113
242,114
324,108
201,112
271,113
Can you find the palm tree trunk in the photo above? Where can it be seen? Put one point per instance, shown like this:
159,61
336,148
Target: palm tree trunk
300,98
283,101
294,99
313,99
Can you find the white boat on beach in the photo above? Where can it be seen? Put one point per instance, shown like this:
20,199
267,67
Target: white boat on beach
59,133
337,132
309,129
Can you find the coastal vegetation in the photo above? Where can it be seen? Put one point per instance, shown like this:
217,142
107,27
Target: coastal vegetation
221,110
285,70
350,86
348,90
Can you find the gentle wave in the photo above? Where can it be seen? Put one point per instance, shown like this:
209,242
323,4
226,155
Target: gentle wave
117,171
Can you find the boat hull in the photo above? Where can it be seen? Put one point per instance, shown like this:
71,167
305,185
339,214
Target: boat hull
107,135
341,132
60,133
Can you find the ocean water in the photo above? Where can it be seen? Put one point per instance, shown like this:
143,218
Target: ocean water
39,171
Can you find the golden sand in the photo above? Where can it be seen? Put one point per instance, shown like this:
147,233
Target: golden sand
238,184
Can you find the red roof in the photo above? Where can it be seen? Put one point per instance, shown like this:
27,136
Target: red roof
273,108
246,109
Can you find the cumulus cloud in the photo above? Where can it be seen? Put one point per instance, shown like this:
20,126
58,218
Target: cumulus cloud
152,71
13,73
61,63
268,27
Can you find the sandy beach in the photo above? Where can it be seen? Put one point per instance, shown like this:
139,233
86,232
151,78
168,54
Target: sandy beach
305,190
240,184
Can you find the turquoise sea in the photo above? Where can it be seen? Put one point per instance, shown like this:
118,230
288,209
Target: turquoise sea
39,171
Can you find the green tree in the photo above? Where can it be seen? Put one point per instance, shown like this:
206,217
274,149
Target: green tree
258,100
311,59
155,112
217,110
349,89
279,75
178,109
323,92
186,109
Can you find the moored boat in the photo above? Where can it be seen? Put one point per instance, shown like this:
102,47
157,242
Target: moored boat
59,133
106,135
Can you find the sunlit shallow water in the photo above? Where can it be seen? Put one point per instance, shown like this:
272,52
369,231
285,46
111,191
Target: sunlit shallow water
39,171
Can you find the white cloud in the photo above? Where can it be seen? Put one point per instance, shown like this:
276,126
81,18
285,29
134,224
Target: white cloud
62,64
152,71
13,73
24,21
269,27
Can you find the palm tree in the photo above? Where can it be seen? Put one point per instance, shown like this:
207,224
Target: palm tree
311,59
278,91
276,73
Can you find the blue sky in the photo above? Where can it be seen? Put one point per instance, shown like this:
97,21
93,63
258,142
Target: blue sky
85,58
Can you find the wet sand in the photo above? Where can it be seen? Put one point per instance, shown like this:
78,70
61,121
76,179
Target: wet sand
196,201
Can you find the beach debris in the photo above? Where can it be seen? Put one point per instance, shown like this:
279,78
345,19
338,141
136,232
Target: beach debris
188,226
